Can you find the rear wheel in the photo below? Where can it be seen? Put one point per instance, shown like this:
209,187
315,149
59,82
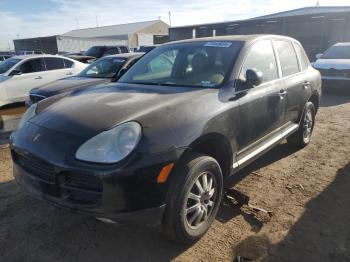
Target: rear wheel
194,198
303,136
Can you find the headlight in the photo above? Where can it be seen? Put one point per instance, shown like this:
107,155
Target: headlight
31,111
111,146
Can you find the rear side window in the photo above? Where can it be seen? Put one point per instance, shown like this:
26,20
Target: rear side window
304,60
288,57
68,63
32,66
53,63
111,51
262,58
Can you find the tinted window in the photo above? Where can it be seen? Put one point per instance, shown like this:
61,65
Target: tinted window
198,64
337,52
53,63
95,51
32,66
304,61
68,63
8,64
111,51
288,58
103,68
124,49
262,58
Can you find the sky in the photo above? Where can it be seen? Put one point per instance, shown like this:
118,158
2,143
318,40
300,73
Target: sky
33,18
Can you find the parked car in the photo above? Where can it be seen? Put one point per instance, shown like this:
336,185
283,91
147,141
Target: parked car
159,145
334,65
99,51
4,57
105,70
20,74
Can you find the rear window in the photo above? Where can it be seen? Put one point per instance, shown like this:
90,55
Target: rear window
68,63
304,60
288,57
53,63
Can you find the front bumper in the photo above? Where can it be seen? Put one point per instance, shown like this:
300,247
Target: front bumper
126,193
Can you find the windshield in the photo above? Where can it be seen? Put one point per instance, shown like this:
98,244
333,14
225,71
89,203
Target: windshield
104,68
95,51
337,52
194,64
8,64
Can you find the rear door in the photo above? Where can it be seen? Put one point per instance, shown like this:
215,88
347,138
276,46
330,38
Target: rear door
18,87
262,108
55,69
294,74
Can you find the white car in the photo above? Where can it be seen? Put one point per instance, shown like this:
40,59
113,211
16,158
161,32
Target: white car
20,74
334,65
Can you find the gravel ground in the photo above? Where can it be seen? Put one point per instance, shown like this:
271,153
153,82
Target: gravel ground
308,192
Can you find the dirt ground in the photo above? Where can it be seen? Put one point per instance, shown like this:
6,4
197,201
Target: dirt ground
308,192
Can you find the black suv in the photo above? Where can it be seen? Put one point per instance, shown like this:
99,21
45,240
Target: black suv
159,145
96,52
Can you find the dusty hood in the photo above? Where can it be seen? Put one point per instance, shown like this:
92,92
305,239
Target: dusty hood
339,64
67,85
88,113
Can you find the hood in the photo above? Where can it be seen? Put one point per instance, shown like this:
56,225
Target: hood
340,64
88,113
67,85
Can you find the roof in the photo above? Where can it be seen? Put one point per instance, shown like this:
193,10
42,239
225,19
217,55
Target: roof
242,38
112,30
37,56
126,55
315,10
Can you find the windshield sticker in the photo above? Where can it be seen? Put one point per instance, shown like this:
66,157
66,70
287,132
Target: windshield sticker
118,60
218,44
207,84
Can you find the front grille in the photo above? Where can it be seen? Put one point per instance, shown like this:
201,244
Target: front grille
85,182
74,187
38,168
36,98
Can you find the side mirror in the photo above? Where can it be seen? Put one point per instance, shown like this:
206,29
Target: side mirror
318,56
15,72
254,77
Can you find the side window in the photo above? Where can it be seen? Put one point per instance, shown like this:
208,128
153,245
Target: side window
32,66
261,57
288,57
111,51
53,63
68,63
304,60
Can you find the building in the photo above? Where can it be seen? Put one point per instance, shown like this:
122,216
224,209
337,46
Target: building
132,35
317,28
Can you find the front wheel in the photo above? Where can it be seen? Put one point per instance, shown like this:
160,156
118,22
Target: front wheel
194,198
303,136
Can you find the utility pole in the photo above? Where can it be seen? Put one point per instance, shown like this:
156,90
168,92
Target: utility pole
318,3
96,21
170,18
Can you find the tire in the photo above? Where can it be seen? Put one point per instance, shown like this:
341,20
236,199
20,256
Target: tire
303,136
190,210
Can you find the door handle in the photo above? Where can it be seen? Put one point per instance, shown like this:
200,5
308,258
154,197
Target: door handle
282,94
38,77
306,84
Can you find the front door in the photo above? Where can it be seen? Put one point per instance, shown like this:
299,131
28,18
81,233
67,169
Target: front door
32,75
262,108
